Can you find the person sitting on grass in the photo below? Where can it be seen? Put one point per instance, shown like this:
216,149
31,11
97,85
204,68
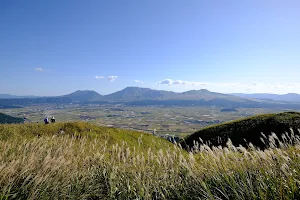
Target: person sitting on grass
52,119
46,120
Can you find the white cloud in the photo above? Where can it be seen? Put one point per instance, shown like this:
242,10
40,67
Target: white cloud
39,69
180,82
176,82
166,82
99,77
112,78
291,85
137,81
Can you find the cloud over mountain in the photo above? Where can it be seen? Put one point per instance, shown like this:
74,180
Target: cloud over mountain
138,81
175,82
166,82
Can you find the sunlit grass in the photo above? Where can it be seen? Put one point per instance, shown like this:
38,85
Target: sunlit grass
89,162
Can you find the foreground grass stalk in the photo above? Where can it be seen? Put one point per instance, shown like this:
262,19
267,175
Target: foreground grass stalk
67,167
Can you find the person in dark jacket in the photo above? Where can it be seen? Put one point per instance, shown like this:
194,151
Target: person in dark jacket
46,120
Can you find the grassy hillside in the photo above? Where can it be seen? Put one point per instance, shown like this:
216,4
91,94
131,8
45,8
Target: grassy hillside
6,119
248,129
82,161
80,130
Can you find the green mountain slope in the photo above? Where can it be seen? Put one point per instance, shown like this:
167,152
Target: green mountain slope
248,129
6,119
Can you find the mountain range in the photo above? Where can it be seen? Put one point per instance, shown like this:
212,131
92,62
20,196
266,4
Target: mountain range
137,94
146,96
8,96
130,94
290,97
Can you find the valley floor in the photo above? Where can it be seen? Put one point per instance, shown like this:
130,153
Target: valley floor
180,121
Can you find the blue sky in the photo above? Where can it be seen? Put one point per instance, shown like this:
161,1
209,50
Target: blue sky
57,47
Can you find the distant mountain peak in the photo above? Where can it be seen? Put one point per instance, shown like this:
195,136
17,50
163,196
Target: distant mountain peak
84,95
84,91
131,87
196,91
136,88
204,90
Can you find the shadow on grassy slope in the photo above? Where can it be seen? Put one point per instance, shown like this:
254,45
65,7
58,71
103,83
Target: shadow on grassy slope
245,131
6,119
